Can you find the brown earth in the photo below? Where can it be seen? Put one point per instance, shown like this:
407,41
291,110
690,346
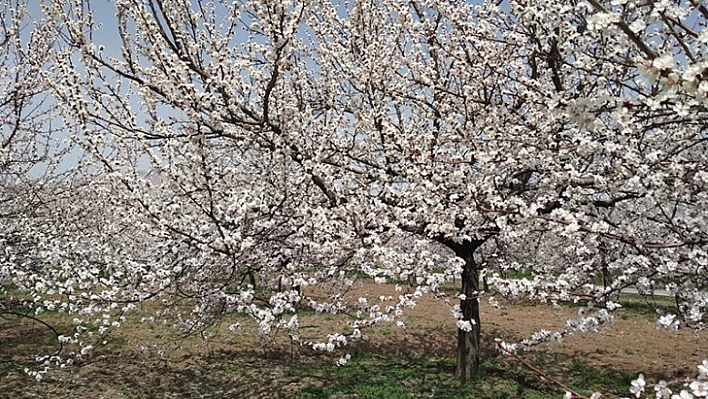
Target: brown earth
234,366
632,342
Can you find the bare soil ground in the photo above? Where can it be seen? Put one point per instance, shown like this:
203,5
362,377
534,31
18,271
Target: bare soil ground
631,343
237,366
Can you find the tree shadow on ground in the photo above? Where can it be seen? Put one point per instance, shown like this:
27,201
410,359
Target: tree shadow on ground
282,371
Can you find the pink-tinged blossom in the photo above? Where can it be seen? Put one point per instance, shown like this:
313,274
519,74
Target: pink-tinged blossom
699,388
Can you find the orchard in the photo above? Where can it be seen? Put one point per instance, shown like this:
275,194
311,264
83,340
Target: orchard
260,157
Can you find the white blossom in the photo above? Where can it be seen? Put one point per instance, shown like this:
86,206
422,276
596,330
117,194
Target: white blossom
638,386
699,388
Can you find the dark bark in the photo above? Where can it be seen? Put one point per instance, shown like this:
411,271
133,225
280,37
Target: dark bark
468,342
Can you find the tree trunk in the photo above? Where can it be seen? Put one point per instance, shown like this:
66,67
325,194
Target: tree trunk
468,341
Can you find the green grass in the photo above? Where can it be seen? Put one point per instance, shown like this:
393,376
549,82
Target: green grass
637,305
367,376
380,377
592,378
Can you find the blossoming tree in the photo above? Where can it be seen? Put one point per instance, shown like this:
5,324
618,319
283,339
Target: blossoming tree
291,141
32,160
21,125
30,148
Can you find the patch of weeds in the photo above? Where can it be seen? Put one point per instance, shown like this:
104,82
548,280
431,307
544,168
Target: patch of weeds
518,274
506,376
368,377
636,304
592,378
490,365
447,363
117,342
394,377
533,394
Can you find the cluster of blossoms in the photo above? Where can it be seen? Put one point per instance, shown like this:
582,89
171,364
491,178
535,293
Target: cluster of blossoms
692,388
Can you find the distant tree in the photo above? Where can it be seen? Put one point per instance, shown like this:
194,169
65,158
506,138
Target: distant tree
32,152
30,148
